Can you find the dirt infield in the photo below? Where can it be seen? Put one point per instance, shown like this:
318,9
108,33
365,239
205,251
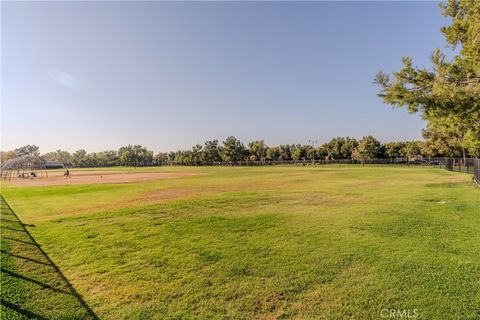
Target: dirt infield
56,178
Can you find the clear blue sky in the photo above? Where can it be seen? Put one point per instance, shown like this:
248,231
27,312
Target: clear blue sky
99,75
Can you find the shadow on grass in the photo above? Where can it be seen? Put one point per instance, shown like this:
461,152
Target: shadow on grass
17,240
22,257
32,285
17,309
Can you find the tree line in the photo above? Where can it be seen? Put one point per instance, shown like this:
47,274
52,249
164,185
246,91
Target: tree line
131,155
232,151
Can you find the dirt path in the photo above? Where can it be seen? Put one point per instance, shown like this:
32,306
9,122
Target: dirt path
88,177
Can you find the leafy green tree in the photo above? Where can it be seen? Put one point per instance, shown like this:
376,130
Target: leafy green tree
181,158
321,152
273,153
161,159
232,150
471,142
211,152
127,157
410,150
28,150
107,158
50,156
135,155
340,148
347,147
142,154
79,158
334,147
7,155
184,158
197,154
298,152
368,148
448,96
425,151
445,136
306,152
171,157
393,149
91,160
65,157
285,152
258,150
60,156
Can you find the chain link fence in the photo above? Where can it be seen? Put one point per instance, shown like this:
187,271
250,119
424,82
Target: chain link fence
476,172
468,165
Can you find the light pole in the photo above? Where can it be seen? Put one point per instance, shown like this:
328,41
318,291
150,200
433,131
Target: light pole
313,142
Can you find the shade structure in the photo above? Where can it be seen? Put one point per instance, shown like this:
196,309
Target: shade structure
23,167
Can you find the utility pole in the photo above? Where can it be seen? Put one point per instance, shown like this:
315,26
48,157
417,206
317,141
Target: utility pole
313,142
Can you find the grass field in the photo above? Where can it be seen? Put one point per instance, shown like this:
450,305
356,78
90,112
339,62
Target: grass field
340,242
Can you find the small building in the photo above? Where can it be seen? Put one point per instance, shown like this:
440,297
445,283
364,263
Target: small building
54,165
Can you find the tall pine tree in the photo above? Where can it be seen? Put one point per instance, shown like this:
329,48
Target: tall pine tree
448,96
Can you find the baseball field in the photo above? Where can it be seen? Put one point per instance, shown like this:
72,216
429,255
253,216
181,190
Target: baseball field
326,242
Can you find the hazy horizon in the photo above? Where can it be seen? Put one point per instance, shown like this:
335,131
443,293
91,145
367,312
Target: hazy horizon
101,75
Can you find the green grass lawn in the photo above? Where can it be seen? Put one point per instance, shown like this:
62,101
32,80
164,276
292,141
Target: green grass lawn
331,242
32,285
